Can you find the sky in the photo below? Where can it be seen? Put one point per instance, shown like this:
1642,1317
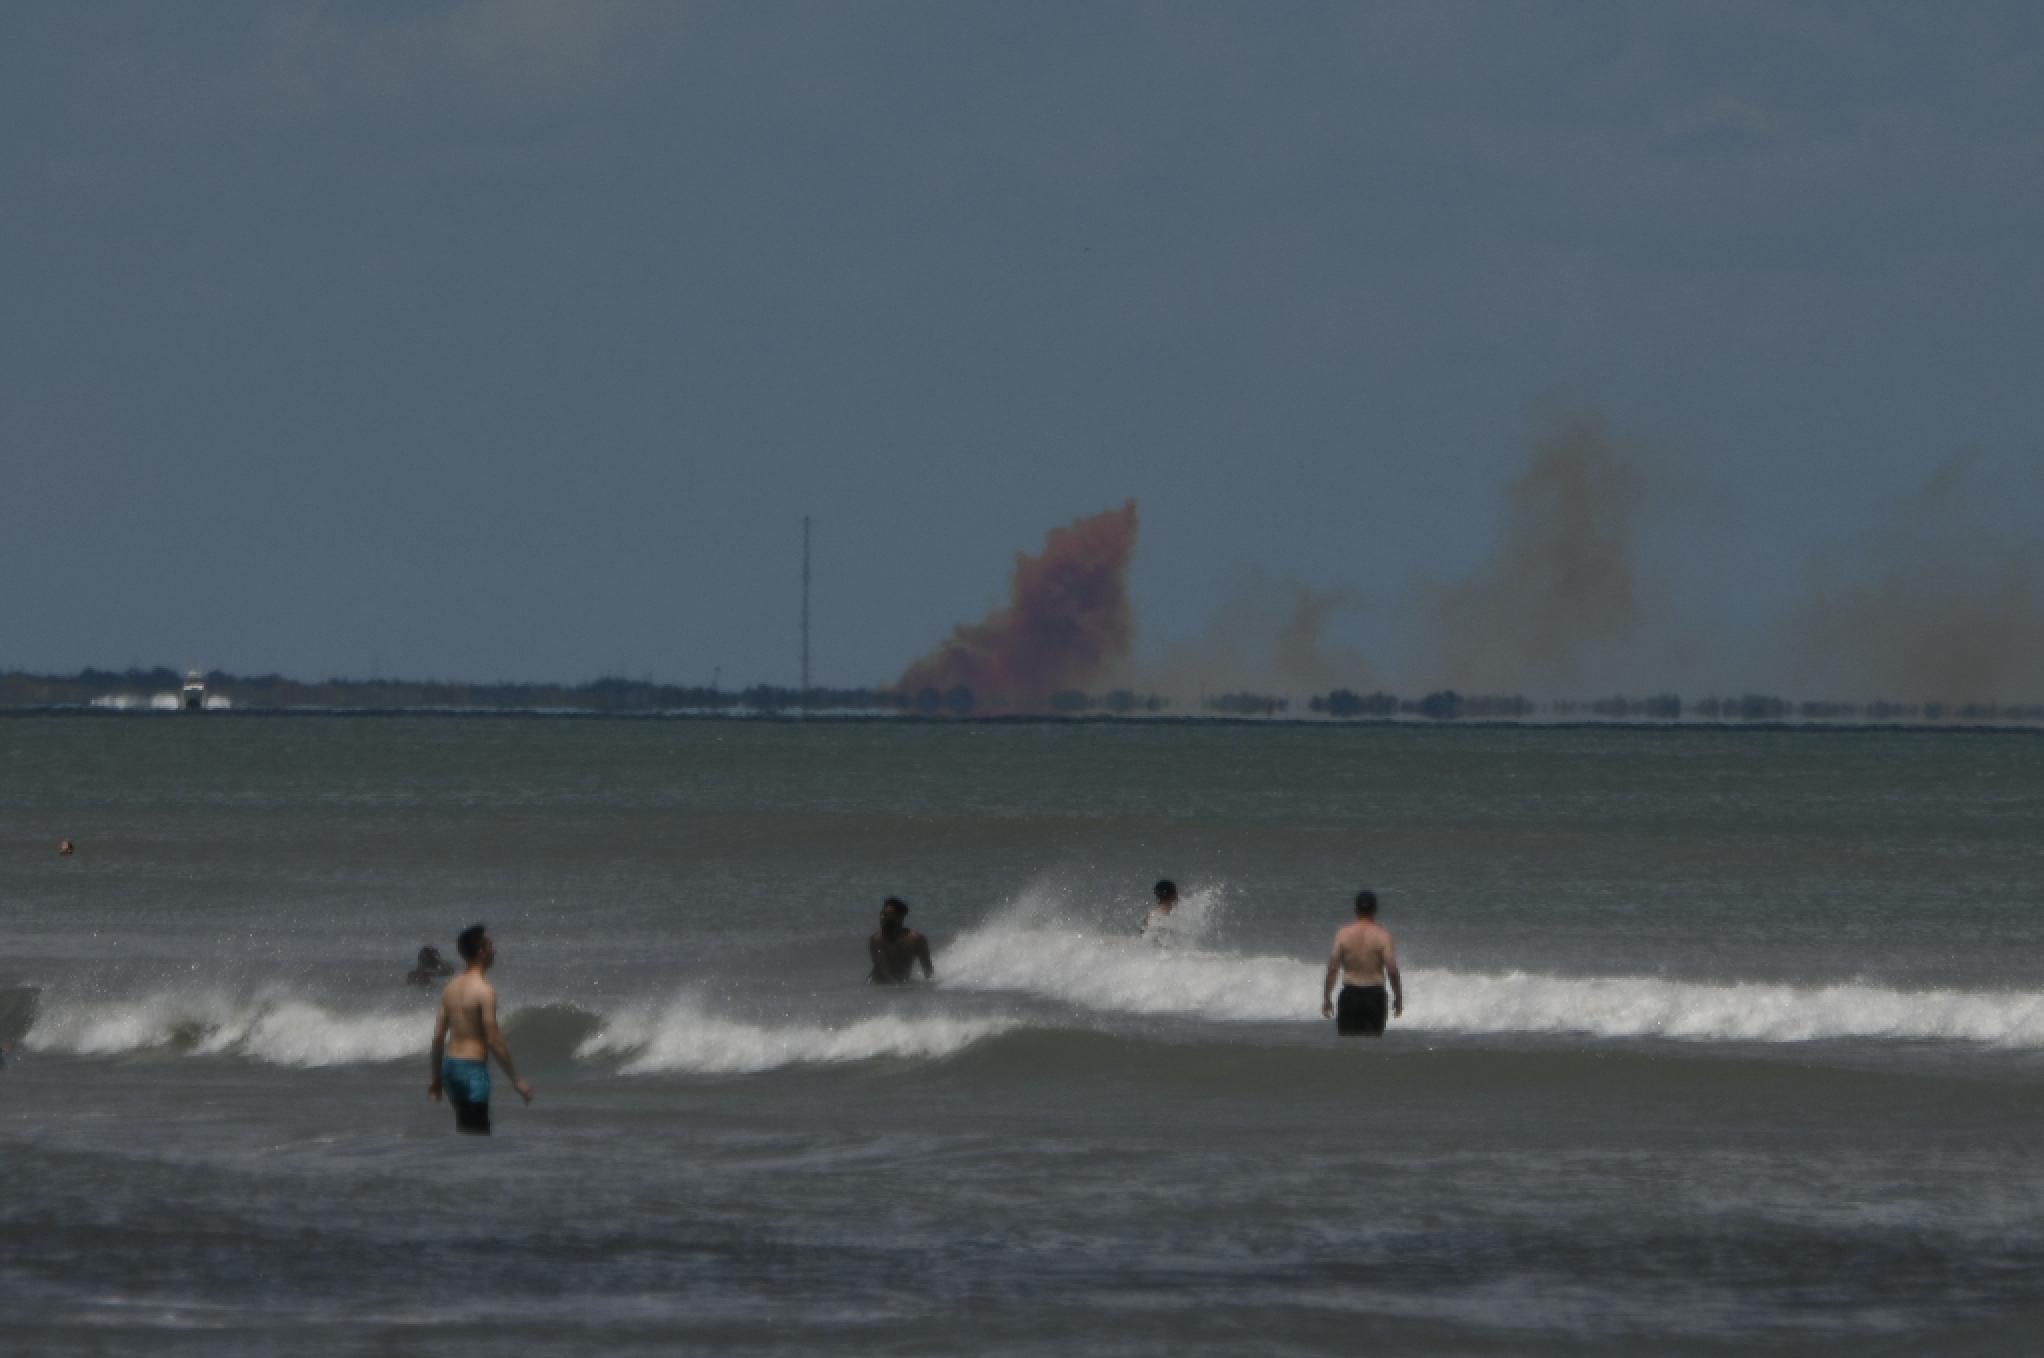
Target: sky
514,340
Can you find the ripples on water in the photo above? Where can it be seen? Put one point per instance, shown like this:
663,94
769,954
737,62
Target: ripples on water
1711,1043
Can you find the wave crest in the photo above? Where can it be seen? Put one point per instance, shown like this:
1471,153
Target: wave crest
281,1030
683,1038
1129,976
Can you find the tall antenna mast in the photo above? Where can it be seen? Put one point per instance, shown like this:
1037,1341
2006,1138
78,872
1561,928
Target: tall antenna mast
805,612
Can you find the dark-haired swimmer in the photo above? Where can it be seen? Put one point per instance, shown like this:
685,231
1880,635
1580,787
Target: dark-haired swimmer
430,968
896,949
466,1032
1364,956
1167,901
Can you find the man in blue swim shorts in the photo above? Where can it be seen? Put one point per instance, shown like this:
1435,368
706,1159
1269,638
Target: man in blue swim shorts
466,1035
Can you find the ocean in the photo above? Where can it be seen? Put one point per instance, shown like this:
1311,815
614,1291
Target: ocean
1715,1041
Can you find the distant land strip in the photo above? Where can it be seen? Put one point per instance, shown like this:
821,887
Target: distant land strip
164,689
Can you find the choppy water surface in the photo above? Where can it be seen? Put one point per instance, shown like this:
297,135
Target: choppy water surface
1715,1040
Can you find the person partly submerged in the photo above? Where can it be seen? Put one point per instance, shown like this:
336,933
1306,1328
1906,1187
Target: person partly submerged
466,1035
896,949
1364,957
430,967
1166,893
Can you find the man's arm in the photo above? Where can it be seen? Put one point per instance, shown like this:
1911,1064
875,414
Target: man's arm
879,972
923,956
439,1047
1391,975
1327,988
499,1049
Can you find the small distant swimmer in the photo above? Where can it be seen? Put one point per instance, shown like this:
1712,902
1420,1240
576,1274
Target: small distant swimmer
1167,901
431,967
1363,957
896,949
66,848
466,1031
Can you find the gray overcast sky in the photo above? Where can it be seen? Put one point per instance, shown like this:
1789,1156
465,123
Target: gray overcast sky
514,339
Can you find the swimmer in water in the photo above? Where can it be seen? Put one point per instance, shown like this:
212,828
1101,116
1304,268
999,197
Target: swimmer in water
1364,957
896,949
1167,901
431,967
66,848
466,1033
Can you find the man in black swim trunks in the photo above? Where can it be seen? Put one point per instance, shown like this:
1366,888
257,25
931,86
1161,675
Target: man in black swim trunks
1364,956
896,949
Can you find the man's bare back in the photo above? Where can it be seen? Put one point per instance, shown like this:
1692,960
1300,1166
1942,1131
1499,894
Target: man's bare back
1361,950
1364,957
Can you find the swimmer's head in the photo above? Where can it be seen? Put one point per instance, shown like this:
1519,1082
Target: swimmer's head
66,847
474,943
893,914
429,956
1366,904
1167,892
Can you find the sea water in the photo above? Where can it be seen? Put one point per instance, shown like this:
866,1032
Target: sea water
1715,1041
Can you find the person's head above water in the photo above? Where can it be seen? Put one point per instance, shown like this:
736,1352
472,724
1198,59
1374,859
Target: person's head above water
429,956
66,847
474,944
1167,892
893,914
1366,904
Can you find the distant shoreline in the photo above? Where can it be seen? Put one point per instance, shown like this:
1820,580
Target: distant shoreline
162,691
784,717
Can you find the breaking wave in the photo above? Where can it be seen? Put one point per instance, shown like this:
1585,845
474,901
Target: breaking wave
1129,976
281,1030
683,1038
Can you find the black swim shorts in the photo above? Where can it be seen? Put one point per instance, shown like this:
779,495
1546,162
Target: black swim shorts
1362,1011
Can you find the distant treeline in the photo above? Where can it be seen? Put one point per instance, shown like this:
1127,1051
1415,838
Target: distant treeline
137,687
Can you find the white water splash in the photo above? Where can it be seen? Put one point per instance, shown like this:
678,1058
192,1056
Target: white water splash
275,1029
683,1037
1129,976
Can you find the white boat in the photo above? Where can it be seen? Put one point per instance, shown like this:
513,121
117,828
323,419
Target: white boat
195,692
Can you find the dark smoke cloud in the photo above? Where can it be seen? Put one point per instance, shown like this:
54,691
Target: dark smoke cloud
1269,637
1067,621
1934,606
1563,589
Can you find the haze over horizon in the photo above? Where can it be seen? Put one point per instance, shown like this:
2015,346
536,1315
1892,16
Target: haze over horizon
1545,348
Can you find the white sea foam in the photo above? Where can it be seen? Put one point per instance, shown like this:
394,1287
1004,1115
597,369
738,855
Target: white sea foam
275,1029
1129,976
683,1037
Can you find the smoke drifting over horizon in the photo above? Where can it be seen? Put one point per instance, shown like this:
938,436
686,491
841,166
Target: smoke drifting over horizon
1562,588
1066,623
1932,606
1269,637
1585,592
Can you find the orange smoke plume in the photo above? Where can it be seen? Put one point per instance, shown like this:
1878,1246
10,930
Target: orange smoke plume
1066,620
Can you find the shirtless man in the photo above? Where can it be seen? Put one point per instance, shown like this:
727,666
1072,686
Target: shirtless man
1363,956
1167,901
896,949
466,1032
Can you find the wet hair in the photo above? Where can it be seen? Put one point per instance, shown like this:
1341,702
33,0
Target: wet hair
428,955
1167,890
1366,902
894,905
469,943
